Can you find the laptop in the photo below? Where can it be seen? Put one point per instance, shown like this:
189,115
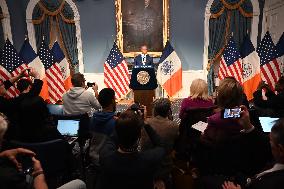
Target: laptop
267,123
55,109
69,129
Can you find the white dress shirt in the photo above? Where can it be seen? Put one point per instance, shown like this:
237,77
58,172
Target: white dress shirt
144,57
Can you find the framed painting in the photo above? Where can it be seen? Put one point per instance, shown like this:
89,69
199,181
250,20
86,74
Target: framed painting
142,22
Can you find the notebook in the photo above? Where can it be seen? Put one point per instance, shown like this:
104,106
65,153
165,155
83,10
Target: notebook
200,126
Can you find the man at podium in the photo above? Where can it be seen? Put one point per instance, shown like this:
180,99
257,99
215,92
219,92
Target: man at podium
143,59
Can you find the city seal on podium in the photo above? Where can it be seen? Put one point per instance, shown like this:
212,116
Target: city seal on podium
143,77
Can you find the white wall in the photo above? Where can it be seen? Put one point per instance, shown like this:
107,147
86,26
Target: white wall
273,19
187,78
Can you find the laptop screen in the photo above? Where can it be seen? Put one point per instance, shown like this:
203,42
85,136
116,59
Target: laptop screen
68,127
55,109
267,123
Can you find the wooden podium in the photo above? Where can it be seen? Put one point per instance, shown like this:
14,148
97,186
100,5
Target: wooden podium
145,97
143,82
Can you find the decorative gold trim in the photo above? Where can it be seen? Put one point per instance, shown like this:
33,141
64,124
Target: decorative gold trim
119,32
216,15
228,21
61,44
68,21
54,13
50,13
244,13
232,6
39,21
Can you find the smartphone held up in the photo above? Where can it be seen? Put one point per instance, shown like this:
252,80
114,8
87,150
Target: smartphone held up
231,113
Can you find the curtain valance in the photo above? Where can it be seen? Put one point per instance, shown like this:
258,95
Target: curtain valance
228,17
53,8
54,19
244,6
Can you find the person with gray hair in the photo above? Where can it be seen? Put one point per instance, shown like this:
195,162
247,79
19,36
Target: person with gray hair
162,122
11,175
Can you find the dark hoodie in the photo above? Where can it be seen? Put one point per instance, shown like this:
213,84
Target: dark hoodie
103,122
102,128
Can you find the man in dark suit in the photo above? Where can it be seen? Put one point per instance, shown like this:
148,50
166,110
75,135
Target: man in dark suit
143,59
271,178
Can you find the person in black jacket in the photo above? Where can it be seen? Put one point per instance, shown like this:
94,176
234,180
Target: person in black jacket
6,105
122,165
271,178
28,90
244,154
274,101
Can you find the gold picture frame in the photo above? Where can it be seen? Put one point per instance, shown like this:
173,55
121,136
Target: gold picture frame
119,29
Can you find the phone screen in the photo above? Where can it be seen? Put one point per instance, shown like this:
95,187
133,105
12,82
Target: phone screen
27,163
231,113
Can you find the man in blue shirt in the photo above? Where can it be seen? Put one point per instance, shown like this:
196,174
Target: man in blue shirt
103,123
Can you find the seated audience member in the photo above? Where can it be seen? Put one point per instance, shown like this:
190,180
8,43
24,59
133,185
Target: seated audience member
78,100
198,97
275,102
34,124
122,165
229,95
103,123
162,123
168,131
11,175
226,136
271,178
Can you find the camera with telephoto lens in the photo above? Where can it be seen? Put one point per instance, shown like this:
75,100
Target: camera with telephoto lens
91,84
137,108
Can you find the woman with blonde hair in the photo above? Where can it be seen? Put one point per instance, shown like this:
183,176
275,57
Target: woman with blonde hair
198,98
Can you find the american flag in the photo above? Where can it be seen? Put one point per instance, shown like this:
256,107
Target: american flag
116,75
269,67
11,65
53,74
231,64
